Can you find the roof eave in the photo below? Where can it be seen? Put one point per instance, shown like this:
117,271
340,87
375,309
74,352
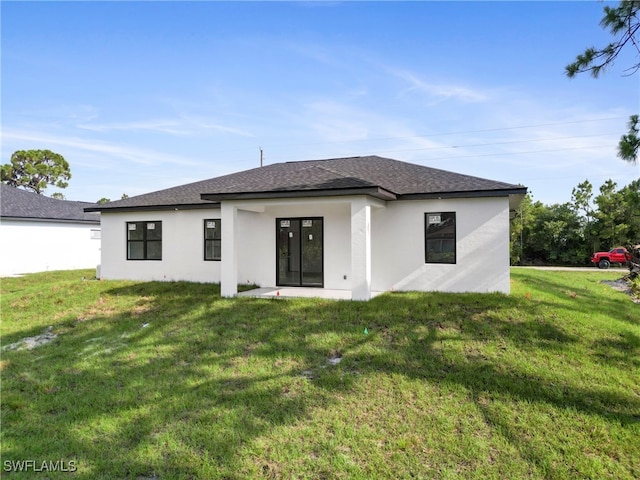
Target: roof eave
174,206
51,220
212,200
507,192
376,192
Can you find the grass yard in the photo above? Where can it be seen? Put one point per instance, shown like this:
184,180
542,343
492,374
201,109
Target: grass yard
170,381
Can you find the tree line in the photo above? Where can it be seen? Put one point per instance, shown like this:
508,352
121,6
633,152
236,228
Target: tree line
568,233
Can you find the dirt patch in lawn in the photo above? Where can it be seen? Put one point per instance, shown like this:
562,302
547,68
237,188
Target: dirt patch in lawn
622,285
29,343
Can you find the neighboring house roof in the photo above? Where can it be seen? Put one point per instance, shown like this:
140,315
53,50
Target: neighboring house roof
380,177
21,204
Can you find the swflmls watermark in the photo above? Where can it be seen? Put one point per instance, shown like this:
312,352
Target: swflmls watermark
39,466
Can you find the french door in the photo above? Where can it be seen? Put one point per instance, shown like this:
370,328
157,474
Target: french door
299,253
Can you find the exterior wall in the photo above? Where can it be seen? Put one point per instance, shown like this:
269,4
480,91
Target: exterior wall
28,246
182,247
257,240
482,245
183,243
397,244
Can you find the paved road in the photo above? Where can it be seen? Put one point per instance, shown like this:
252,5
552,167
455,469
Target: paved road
581,269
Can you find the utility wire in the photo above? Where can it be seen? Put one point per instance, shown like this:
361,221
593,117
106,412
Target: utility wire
512,142
590,147
427,159
461,132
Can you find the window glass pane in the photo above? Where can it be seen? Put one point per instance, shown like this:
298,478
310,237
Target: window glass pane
212,229
440,237
135,231
208,250
217,249
154,230
154,250
213,250
212,236
135,251
434,246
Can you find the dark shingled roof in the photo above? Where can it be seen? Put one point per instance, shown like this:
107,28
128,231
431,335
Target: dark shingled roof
380,177
17,203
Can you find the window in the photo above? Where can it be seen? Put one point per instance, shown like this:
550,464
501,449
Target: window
144,240
212,239
440,237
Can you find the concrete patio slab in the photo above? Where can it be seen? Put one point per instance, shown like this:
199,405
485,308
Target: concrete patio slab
299,292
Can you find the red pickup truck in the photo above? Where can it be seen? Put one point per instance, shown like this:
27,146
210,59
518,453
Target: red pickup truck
616,255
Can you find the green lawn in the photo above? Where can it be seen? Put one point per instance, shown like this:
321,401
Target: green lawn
168,380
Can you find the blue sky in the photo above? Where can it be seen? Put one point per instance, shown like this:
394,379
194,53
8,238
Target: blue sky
143,96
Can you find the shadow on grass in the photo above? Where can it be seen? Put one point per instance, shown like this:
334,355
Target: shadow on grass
178,388
623,351
580,299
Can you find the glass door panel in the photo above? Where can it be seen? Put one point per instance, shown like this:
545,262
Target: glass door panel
288,252
312,252
299,250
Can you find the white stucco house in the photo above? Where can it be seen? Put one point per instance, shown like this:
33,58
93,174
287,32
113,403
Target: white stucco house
360,224
39,233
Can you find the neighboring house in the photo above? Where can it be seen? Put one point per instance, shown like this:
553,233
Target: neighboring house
361,224
39,233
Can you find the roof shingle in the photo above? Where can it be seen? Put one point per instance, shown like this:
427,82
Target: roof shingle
17,203
323,177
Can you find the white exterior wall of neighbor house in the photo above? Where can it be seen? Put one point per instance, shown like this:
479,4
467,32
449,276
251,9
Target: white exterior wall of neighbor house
482,246
28,246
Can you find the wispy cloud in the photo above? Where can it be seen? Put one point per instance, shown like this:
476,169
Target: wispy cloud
338,128
183,126
130,153
59,115
159,126
337,122
438,91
